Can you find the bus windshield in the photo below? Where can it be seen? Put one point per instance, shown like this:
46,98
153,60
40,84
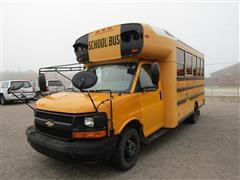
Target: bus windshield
115,77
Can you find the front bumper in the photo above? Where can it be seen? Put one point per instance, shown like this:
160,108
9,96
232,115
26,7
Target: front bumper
85,150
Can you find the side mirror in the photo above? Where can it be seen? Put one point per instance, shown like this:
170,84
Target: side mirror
15,87
84,80
155,71
42,82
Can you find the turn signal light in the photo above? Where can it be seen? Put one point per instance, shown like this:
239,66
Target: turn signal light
93,134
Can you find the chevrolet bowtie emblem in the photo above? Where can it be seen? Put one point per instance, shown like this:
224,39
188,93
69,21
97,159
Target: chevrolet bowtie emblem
49,124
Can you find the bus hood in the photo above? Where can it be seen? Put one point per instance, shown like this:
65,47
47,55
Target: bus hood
71,102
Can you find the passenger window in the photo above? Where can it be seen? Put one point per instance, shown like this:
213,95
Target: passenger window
202,67
198,66
144,80
194,64
188,64
180,62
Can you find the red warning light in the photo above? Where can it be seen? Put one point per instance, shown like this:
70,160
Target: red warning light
134,50
146,36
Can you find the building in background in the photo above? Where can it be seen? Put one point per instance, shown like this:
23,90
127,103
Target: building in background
229,76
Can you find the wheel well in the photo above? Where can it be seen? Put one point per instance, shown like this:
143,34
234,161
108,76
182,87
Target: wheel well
196,105
136,125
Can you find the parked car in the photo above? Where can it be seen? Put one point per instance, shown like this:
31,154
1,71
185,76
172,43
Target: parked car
36,90
71,88
25,92
53,86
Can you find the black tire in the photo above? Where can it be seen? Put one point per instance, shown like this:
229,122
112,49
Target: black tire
195,116
2,100
128,149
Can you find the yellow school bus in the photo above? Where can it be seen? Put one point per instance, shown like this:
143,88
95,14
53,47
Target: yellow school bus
137,82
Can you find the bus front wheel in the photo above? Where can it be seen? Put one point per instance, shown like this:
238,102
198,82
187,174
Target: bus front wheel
128,149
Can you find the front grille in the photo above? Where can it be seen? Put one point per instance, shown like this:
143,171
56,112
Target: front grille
62,120
57,117
54,132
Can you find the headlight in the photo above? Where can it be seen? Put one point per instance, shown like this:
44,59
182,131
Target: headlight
89,122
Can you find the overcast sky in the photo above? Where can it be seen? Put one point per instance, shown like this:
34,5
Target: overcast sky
42,34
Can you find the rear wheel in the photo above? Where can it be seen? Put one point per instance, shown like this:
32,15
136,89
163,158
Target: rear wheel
195,116
2,100
128,149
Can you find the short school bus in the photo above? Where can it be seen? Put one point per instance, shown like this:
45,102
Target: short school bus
147,82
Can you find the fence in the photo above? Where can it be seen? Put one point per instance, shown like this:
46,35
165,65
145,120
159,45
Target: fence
222,91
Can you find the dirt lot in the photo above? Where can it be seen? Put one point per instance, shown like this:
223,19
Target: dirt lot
206,150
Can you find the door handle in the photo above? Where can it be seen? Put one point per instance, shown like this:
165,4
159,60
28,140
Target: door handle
160,93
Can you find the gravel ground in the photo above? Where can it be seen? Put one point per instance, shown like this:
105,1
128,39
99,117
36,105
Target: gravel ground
209,149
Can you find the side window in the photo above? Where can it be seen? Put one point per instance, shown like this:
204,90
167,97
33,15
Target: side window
144,79
59,83
4,84
202,67
188,64
194,65
198,66
26,84
51,83
180,62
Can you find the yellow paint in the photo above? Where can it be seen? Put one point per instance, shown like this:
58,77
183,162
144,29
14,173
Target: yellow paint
146,107
110,51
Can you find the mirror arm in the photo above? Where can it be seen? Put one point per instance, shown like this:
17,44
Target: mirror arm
111,109
96,110
22,100
63,75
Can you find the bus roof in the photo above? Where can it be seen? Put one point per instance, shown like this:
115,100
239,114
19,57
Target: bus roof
127,40
163,32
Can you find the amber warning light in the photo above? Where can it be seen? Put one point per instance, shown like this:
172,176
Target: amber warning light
104,30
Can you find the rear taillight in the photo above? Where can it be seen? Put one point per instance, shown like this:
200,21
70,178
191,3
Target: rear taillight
46,88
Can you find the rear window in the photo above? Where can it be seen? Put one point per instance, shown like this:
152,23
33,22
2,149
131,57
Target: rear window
55,83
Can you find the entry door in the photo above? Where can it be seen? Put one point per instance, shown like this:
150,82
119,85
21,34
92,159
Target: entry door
151,101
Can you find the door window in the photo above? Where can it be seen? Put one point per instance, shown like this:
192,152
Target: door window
144,80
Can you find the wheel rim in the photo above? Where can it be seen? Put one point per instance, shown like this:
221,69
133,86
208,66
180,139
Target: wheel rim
130,149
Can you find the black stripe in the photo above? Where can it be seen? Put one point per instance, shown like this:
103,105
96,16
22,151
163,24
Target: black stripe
131,39
183,78
196,95
184,100
181,101
179,89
